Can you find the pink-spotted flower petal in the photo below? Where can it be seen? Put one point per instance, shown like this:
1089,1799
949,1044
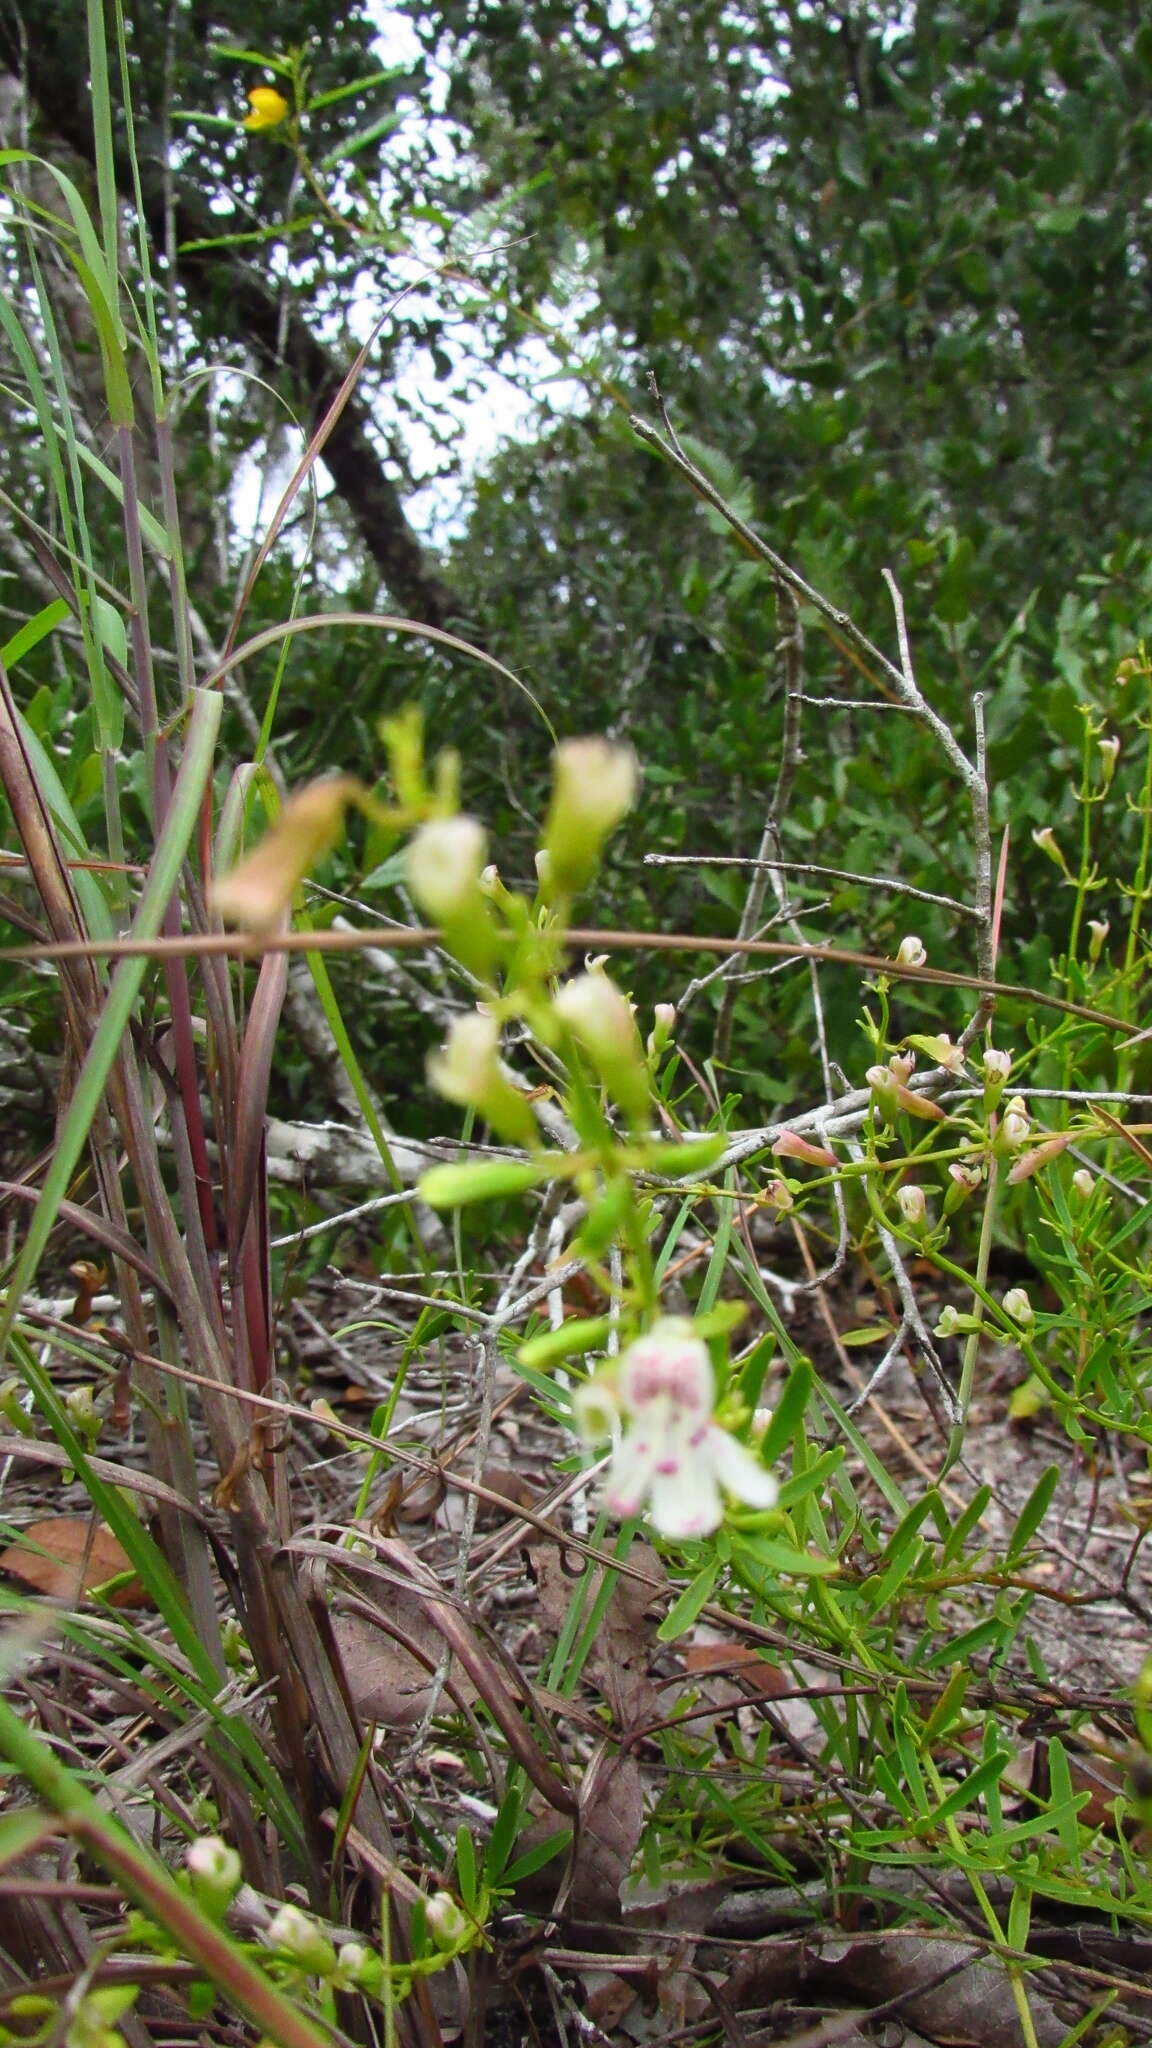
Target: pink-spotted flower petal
670,1452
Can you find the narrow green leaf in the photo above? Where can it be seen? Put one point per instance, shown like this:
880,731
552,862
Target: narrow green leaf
904,1738
504,1831
33,631
117,383
1032,1513
762,1559
986,1774
1019,1917
877,1470
956,1542
1050,1820
193,117
370,80
814,1479
788,1414
947,1708
241,55
1065,1801
96,914
985,1635
277,231
891,1784
466,1867
110,629
718,1258
574,1339
102,133
686,1609
535,1859
363,139
155,534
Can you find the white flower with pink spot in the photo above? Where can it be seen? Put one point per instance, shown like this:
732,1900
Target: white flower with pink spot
669,1451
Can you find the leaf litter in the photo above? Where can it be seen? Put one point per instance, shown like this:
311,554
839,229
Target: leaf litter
657,1916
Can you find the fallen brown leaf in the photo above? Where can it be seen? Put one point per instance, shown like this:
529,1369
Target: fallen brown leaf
65,1556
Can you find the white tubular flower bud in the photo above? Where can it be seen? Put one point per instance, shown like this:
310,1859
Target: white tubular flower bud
293,1935
594,786
1016,1127
1017,1305
215,1871
445,862
600,1019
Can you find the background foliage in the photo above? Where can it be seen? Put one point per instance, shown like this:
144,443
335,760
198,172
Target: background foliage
889,265
886,268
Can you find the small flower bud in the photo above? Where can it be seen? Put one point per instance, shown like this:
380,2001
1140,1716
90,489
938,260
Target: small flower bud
358,1968
790,1145
890,1095
234,1643
778,1196
660,1037
1018,1307
882,1082
1016,1126
902,1066
913,1207
467,1070
215,1871
594,786
596,1407
964,1182
1099,928
1040,1155
82,1411
601,1021
445,861
463,1071
257,894
1045,839
1084,1183
911,952
301,1941
448,1924
1109,750
949,1322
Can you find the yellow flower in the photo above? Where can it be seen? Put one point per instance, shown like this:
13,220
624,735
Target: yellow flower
269,107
